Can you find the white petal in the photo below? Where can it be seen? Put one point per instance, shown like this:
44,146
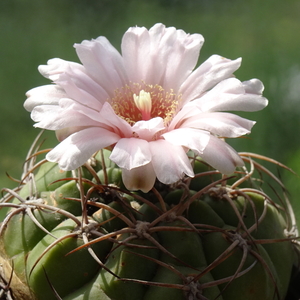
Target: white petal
163,56
69,114
75,150
103,63
221,156
253,86
231,94
170,162
82,88
146,130
57,66
77,84
141,178
207,75
46,94
131,153
45,115
108,118
194,139
187,112
62,134
221,124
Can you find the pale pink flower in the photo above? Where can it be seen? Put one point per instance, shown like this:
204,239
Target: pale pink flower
147,104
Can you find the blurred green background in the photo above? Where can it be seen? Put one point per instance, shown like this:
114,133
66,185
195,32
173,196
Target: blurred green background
265,33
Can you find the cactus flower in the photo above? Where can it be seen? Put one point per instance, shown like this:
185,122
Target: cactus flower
149,104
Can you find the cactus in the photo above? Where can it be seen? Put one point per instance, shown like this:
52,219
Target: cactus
81,235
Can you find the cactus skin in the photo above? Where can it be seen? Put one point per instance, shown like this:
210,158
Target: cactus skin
80,235
56,264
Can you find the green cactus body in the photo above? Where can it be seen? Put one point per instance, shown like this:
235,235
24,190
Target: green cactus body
125,262
57,267
23,233
82,236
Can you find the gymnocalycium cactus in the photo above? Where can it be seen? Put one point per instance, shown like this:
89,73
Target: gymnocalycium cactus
143,199
82,235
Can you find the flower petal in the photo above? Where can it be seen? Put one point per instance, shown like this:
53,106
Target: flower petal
221,156
68,114
83,89
171,164
191,138
109,119
74,80
75,150
130,153
62,134
56,66
253,86
146,130
207,75
221,124
103,63
231,94
140,178
187,111
43,95
163,56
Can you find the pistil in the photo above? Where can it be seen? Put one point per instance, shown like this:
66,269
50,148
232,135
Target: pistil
144,103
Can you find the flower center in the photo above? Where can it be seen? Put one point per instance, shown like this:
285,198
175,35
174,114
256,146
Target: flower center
140,101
